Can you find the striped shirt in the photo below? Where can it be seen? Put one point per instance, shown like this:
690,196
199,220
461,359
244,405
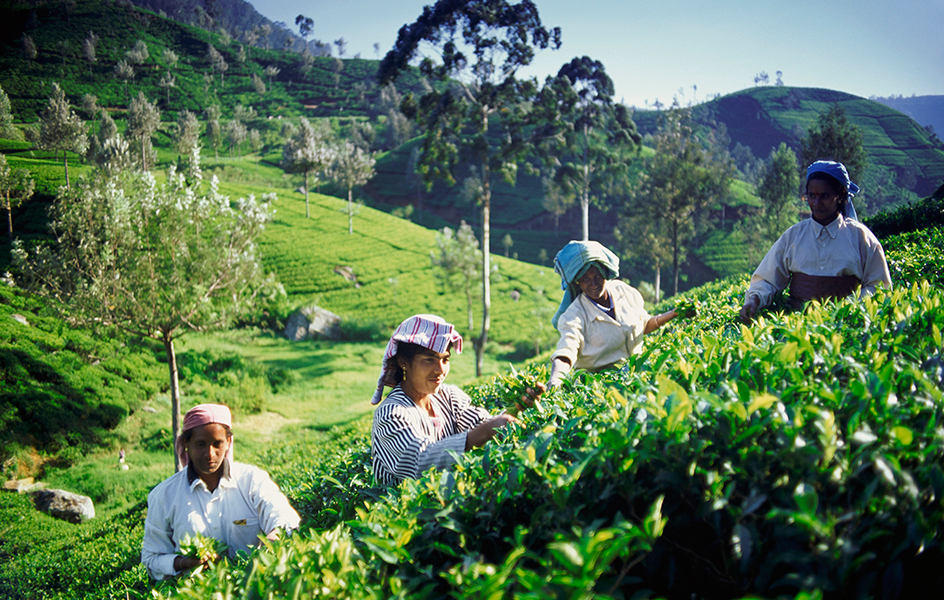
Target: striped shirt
405,441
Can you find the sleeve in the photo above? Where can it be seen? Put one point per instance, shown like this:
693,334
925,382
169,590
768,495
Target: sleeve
158,550
402,451
467,416
771,275
875,269
270,503
571,341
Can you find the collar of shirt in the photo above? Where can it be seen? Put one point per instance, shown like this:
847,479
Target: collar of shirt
193,478
832,229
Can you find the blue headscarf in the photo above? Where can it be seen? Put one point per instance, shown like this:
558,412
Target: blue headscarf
573,261
837,171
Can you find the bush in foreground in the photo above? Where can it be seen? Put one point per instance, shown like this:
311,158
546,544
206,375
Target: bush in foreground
801,455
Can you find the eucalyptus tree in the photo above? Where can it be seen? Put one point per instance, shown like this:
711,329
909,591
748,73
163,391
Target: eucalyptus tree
186,132
834,137
600,134
61,129
143,120
89,49
679,182
476,113
16,187
308,151
153,260
8,130
214,129
352,167
458,260
779,190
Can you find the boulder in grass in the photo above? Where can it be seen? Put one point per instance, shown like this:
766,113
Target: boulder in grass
313,322
74,508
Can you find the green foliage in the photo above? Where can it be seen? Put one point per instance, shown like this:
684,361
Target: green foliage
833,137
202,547
64,388
800,455
913,216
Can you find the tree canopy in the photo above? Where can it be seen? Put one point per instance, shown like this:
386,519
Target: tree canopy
476,114
155,261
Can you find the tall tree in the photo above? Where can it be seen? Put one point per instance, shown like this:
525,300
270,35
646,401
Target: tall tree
680,181
309,152
60,128
143,120
834,137
186,132
16,187
459,261
214,129
352,167
599,134
155,261
8,130
89,49
476,116
779,189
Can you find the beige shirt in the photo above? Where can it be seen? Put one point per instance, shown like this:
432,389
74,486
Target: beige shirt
591,339
844,247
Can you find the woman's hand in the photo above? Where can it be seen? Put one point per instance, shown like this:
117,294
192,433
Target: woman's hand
750,309
487,429
185,563
531,393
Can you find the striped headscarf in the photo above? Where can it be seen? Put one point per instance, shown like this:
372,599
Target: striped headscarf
203,414
428,331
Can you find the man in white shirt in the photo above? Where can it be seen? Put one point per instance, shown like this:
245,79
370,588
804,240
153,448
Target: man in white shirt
828,255
228,501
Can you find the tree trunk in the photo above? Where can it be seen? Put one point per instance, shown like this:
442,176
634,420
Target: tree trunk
9,217
350,211
65,160
675,256
174,396
143,156
658,281
486,274
307,213
468,300
585,193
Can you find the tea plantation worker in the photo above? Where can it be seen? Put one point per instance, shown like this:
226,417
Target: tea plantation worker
601,319
213,496
425,422
828,255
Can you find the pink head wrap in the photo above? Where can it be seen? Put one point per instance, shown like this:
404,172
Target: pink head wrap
203,414
428,331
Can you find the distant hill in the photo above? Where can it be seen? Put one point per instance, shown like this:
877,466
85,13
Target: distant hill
928,111
763,117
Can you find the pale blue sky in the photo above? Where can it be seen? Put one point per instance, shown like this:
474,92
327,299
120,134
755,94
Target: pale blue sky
660,50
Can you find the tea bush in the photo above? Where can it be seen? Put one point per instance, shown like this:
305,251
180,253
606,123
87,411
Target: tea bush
800,455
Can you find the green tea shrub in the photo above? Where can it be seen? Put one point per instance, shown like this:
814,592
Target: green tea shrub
799,456
916,255
913,216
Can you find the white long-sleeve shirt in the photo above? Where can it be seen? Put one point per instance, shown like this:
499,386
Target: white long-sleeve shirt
844,247
244,505
591,339
405,440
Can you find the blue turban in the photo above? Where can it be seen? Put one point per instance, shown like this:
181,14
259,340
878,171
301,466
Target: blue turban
573,261
837,171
